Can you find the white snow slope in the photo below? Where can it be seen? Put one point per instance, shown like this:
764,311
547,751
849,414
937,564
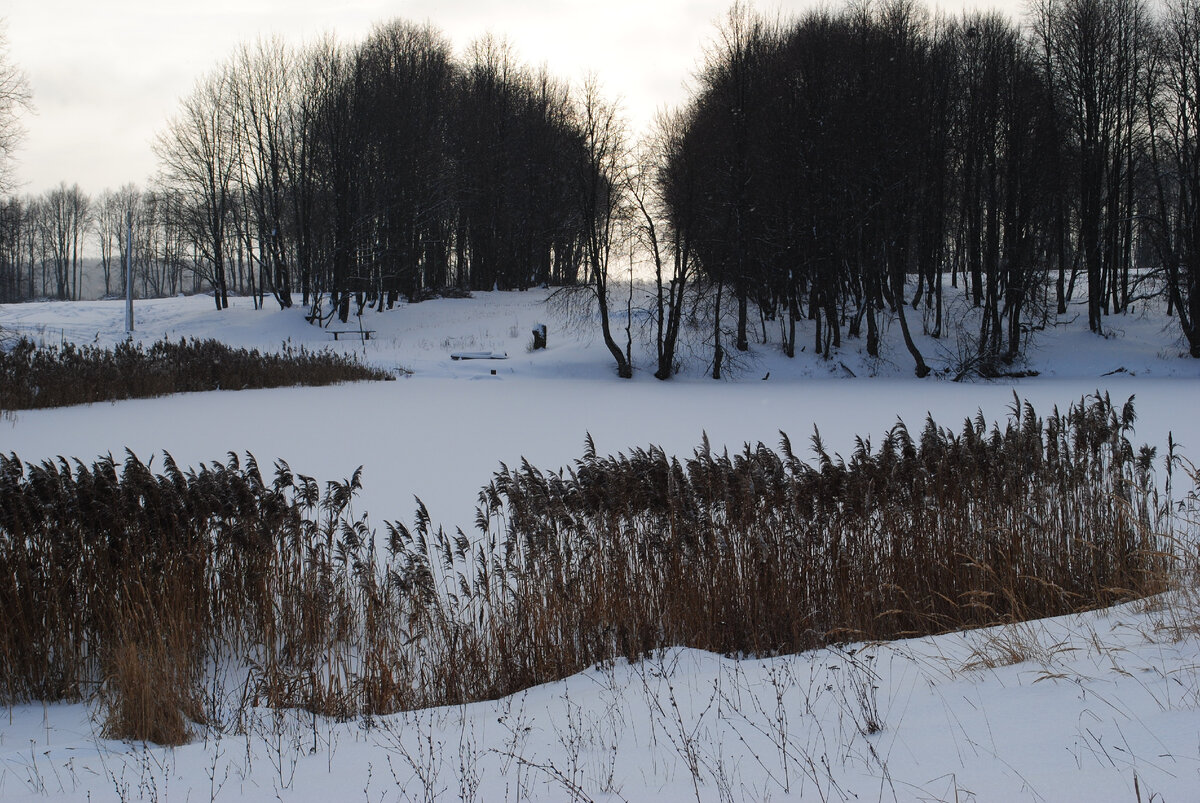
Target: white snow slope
1102,706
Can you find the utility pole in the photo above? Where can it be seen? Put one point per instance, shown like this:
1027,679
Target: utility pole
129,271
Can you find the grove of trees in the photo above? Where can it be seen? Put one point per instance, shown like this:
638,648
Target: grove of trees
844,167
847,162
359,174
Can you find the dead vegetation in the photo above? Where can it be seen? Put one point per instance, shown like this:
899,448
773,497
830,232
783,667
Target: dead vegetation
33,377
132,584
762,553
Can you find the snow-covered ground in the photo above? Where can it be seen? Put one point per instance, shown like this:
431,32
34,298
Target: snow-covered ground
1081,708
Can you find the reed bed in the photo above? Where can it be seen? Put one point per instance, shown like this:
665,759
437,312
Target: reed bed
134,584
33,377
115,577
759,552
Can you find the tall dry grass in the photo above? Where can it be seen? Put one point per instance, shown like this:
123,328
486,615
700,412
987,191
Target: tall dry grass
760,552
106,565
131,583
33,377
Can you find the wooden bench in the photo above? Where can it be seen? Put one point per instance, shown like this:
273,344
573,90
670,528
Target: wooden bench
362,334
479,355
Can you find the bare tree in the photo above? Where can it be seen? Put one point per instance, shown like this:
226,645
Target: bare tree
109,221
14,218
1173,103
662,172
66,218
128,203
14,96
262,90
335,150
198,159
15,230
1096,55
600,181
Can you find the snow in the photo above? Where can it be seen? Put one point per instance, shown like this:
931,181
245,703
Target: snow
1096,702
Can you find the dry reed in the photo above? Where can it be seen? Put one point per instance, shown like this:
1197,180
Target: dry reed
119,580
32,377
761,553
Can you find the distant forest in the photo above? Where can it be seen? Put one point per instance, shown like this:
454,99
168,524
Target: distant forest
843,168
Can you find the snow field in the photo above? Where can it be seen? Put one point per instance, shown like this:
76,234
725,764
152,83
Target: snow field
1077,708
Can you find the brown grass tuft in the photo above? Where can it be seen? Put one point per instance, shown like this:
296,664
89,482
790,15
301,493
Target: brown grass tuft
149,693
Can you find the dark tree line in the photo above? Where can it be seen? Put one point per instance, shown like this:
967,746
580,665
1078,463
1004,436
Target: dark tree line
850,162
837,168
40,243
44,240
359,174
843,168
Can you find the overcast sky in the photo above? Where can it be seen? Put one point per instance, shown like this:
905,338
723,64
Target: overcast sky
106,75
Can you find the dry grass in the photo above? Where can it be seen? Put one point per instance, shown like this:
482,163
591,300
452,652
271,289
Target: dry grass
122,581
1016,643
1176,615
57,376
761,553
150,692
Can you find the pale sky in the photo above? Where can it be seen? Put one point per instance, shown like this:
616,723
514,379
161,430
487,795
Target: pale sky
106,75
